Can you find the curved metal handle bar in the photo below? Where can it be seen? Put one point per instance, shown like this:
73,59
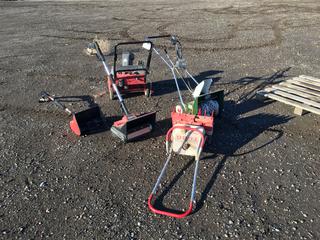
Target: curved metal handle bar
192,197
132,43
166,213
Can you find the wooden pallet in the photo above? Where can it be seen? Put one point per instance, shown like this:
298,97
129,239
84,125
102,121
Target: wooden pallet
302,92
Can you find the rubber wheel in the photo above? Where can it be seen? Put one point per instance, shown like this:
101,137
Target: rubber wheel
147,91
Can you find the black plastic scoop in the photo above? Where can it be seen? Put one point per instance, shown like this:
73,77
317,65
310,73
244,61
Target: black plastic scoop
84,122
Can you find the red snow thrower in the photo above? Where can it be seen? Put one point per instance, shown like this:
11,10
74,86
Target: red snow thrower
131,126
130,77
192,122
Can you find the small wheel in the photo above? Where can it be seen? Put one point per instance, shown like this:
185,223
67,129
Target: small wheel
147,92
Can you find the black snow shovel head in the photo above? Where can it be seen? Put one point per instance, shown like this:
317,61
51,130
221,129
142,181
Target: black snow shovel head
134,126
88,121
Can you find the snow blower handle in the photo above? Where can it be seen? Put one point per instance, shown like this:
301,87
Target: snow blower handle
101,57
47,97
173,38
192,202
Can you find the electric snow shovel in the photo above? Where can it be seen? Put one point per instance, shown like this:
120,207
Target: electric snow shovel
131,126
84,122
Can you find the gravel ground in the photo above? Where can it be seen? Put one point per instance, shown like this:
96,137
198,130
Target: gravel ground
258,179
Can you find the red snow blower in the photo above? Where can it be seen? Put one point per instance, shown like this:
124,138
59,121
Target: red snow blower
130,77
187,136
84,122
131,126
192,123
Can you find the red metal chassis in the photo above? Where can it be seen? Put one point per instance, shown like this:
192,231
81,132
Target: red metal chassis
132,82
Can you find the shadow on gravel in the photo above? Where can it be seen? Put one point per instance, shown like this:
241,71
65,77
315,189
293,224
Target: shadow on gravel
163,87
259,83
161,128
233,132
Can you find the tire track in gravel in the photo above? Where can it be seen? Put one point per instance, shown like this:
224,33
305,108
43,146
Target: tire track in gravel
255,11
231,35
261,10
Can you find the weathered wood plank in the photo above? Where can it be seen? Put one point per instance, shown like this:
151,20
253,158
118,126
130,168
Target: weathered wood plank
296,92
294,97
304,85
302,89
310,78
299,111
289,102
303,80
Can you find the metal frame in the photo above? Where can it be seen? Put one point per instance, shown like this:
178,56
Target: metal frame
169,153
176,70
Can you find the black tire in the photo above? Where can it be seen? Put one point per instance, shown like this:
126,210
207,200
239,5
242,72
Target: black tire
147,91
